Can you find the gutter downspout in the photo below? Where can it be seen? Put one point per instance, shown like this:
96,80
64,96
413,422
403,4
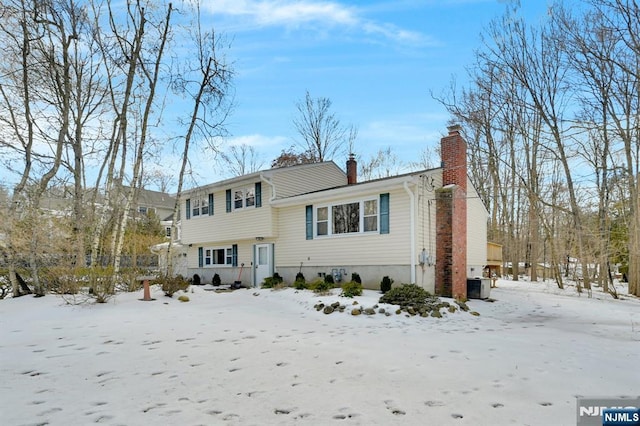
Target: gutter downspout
273,188
412,204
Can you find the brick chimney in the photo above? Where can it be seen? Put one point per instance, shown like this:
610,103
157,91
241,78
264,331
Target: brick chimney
352,170
451,217
453,150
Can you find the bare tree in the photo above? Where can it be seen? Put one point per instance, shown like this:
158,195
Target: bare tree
36,94
290,157
384,163
206,83
322,135
242,159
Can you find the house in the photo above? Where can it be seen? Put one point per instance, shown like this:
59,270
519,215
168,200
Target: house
426,227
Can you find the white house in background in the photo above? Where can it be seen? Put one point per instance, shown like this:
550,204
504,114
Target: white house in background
427,227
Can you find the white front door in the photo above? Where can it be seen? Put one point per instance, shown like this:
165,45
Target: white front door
263,263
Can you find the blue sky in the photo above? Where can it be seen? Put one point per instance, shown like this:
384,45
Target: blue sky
378,62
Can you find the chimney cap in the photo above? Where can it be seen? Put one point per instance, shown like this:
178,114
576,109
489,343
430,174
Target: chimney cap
352,156
454,128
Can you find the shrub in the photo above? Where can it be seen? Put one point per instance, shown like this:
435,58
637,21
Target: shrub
406,295
351,289
356,277
183,298
129,281
196,279
216,281
329,279
321,286
171,285
272,282
300,283
385,284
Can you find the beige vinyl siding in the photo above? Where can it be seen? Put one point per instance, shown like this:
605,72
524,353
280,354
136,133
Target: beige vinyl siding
476,233
308,178
426,213
247,223
228,274
292,247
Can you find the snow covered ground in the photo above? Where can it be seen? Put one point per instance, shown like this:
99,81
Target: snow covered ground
267,357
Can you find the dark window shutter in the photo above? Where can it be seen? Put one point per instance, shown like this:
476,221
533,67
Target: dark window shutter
384,213
210,204
309,222
188,208
258,194
200,257
228,200
234,255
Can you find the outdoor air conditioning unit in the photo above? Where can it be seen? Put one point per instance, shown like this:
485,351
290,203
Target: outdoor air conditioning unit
478,288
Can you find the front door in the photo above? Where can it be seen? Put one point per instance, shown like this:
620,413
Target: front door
263,263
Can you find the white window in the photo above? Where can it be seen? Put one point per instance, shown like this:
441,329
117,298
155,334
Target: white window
199,206
220,256
322,221
348,218
244,197
370,215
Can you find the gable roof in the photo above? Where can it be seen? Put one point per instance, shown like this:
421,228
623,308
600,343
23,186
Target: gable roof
264,174
369,185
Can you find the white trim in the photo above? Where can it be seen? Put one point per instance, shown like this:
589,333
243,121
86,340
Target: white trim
217,265
383,185
361,221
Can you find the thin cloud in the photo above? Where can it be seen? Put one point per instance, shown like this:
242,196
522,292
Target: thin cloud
298,13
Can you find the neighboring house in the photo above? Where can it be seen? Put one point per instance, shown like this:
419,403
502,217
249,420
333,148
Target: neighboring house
426,227
160,203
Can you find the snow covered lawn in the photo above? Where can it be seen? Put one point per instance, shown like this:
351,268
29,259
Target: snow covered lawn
263,357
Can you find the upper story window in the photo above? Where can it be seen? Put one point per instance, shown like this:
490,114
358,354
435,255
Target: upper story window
144,210
199,206
244,197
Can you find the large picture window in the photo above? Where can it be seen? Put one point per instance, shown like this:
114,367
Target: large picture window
218,256
349,218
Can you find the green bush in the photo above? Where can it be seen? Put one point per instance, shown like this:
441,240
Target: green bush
300,285
356,277
321,286
406,295
216,281
385,284
300,277
171,285
351,289
271,282
329,279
